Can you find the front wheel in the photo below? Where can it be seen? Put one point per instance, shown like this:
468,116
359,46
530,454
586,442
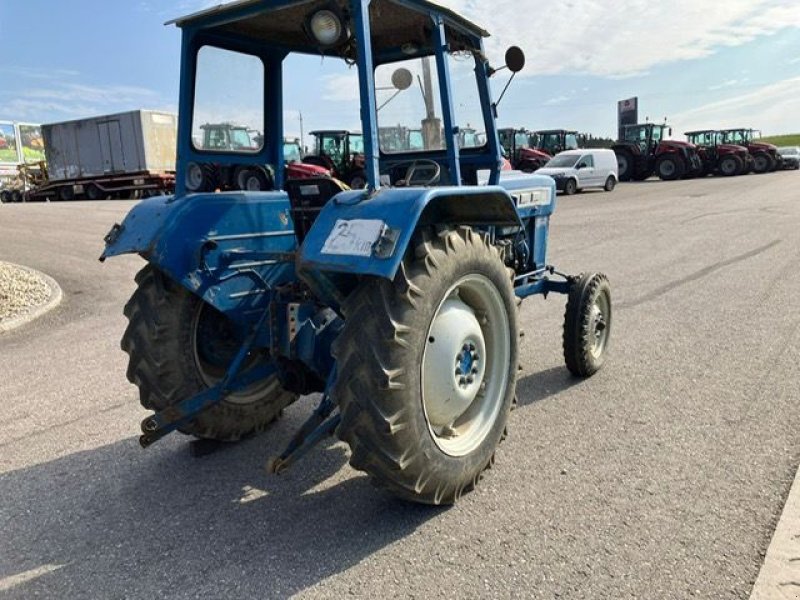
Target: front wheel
587,324
670,168
570,187
427,367
762,162
731,165
179,346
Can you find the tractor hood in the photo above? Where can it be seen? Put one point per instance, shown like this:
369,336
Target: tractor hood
303,171
533,154
678,144
731,148
763,146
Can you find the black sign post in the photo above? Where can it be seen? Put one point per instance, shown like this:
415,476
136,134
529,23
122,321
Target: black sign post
628,114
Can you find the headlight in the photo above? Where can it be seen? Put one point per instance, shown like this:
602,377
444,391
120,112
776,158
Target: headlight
327,29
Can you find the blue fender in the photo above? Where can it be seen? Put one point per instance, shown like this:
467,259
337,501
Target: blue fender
231,249
393,215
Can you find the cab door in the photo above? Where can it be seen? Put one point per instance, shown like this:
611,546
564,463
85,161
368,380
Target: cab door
586,171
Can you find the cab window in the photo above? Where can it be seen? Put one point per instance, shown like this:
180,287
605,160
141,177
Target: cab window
229,102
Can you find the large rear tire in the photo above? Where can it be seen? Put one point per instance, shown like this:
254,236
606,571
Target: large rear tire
427,368
179,346
625,165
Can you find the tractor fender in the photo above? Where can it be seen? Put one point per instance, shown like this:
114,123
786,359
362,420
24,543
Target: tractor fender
231,249
356,234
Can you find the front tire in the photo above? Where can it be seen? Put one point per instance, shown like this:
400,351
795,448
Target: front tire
587,324
762,162
427,368
570,187
179,346
670,168
731,165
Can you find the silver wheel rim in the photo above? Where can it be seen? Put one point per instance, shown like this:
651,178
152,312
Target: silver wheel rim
253,184
599,323
465,365
211,376
194,178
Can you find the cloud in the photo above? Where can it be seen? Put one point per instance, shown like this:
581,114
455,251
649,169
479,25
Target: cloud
728,83
774,104
627,37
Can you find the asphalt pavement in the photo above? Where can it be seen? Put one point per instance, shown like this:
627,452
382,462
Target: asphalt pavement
661,477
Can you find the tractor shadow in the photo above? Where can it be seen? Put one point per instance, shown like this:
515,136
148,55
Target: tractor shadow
121,522
542,385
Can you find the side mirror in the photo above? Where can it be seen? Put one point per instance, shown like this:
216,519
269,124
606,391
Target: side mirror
515,59
402,79
670,132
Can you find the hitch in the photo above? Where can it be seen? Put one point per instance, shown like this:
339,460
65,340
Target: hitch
318,427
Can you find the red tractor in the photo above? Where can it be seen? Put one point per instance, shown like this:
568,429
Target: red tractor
718,157
342,153
519,146
644,152
765,156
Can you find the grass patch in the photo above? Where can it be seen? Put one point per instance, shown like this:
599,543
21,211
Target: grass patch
783,140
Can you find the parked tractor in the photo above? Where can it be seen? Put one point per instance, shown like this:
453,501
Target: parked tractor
765,156
342,153
398,302
232,140
720,158
644,151
519,146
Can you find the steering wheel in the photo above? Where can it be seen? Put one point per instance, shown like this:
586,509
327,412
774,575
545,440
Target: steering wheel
413,165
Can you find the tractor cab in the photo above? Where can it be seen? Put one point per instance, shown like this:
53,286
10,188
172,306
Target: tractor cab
647,135
553,141
227,137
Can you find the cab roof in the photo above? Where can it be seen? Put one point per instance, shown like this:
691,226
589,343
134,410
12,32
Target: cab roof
393,22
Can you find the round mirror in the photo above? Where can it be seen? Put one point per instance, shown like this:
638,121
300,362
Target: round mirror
515,59
402,79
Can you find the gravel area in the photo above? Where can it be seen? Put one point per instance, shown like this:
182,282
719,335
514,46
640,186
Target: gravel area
20,291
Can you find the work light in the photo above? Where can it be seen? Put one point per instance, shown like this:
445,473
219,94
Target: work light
326,28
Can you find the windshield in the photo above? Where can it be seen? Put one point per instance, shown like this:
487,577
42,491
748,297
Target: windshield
291,152
739,136
562,161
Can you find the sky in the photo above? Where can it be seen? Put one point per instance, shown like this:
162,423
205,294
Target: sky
698,63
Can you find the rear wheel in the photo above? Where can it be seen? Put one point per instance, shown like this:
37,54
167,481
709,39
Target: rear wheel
427,368
587,324
358,181
670,168
179,346
252,179
611,183
625,165
93,192
66,193
570,187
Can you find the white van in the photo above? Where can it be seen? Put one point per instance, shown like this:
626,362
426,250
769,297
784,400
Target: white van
576,170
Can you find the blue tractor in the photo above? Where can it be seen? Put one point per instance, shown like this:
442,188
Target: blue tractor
398,302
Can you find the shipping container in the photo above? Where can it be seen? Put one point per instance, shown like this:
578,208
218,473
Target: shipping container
127,143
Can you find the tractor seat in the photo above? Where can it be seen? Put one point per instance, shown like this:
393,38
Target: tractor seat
307,197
